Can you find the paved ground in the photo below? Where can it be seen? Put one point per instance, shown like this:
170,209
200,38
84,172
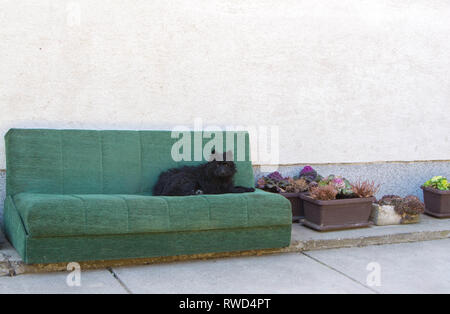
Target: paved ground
420,267
303,239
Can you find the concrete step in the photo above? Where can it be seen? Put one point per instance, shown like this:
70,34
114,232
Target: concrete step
303,239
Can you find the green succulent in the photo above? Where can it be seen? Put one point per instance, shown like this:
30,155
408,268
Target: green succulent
438,182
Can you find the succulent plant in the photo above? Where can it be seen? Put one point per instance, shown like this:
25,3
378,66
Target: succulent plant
364,189
273,182
342,185
345,189
276,183
438,182
307,170
260,183
297,185
413,205
324,192
388,199
276,176
407,207
338,183
309,174
271,185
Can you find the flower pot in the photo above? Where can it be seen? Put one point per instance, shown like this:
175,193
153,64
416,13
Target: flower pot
437,202
297,205
384,215
337,214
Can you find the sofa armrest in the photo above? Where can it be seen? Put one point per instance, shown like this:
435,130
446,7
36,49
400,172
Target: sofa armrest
14,228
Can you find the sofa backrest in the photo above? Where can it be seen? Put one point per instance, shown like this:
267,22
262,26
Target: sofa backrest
105,162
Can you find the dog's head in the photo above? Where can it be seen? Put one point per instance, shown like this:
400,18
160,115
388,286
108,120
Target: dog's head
221,165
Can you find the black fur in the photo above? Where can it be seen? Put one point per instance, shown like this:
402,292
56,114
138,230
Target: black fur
213,177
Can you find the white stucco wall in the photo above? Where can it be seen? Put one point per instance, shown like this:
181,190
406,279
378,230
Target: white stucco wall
345,81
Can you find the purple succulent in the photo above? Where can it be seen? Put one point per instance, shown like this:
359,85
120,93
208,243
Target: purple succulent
309,174
338,183
276,176
306,170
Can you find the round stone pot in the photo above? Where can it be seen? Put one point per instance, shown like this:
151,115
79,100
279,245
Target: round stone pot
384,215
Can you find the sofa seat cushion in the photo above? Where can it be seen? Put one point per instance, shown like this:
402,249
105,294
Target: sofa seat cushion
53,215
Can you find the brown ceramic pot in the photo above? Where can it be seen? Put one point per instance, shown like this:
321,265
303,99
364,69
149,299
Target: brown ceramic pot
297,205
337,214
437,202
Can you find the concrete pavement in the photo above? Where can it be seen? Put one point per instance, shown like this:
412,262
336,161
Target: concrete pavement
303,239
398,268
421,267
92,282
287,273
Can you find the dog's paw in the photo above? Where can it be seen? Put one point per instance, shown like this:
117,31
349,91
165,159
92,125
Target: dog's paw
198,192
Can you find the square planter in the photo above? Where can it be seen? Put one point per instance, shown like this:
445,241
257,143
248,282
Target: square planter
297,205
384,215
437,202
337,214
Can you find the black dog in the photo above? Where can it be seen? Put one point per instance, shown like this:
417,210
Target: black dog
213,177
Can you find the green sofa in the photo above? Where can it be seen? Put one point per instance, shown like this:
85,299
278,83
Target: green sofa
79,195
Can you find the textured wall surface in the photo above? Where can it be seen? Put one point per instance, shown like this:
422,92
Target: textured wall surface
345,81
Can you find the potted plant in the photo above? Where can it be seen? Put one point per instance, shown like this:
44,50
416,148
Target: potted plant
334,203
395,210
290,187
436,193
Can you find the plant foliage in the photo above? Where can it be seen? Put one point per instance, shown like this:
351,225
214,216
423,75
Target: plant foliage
408,207
324,192
276,183
365,189
438,182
